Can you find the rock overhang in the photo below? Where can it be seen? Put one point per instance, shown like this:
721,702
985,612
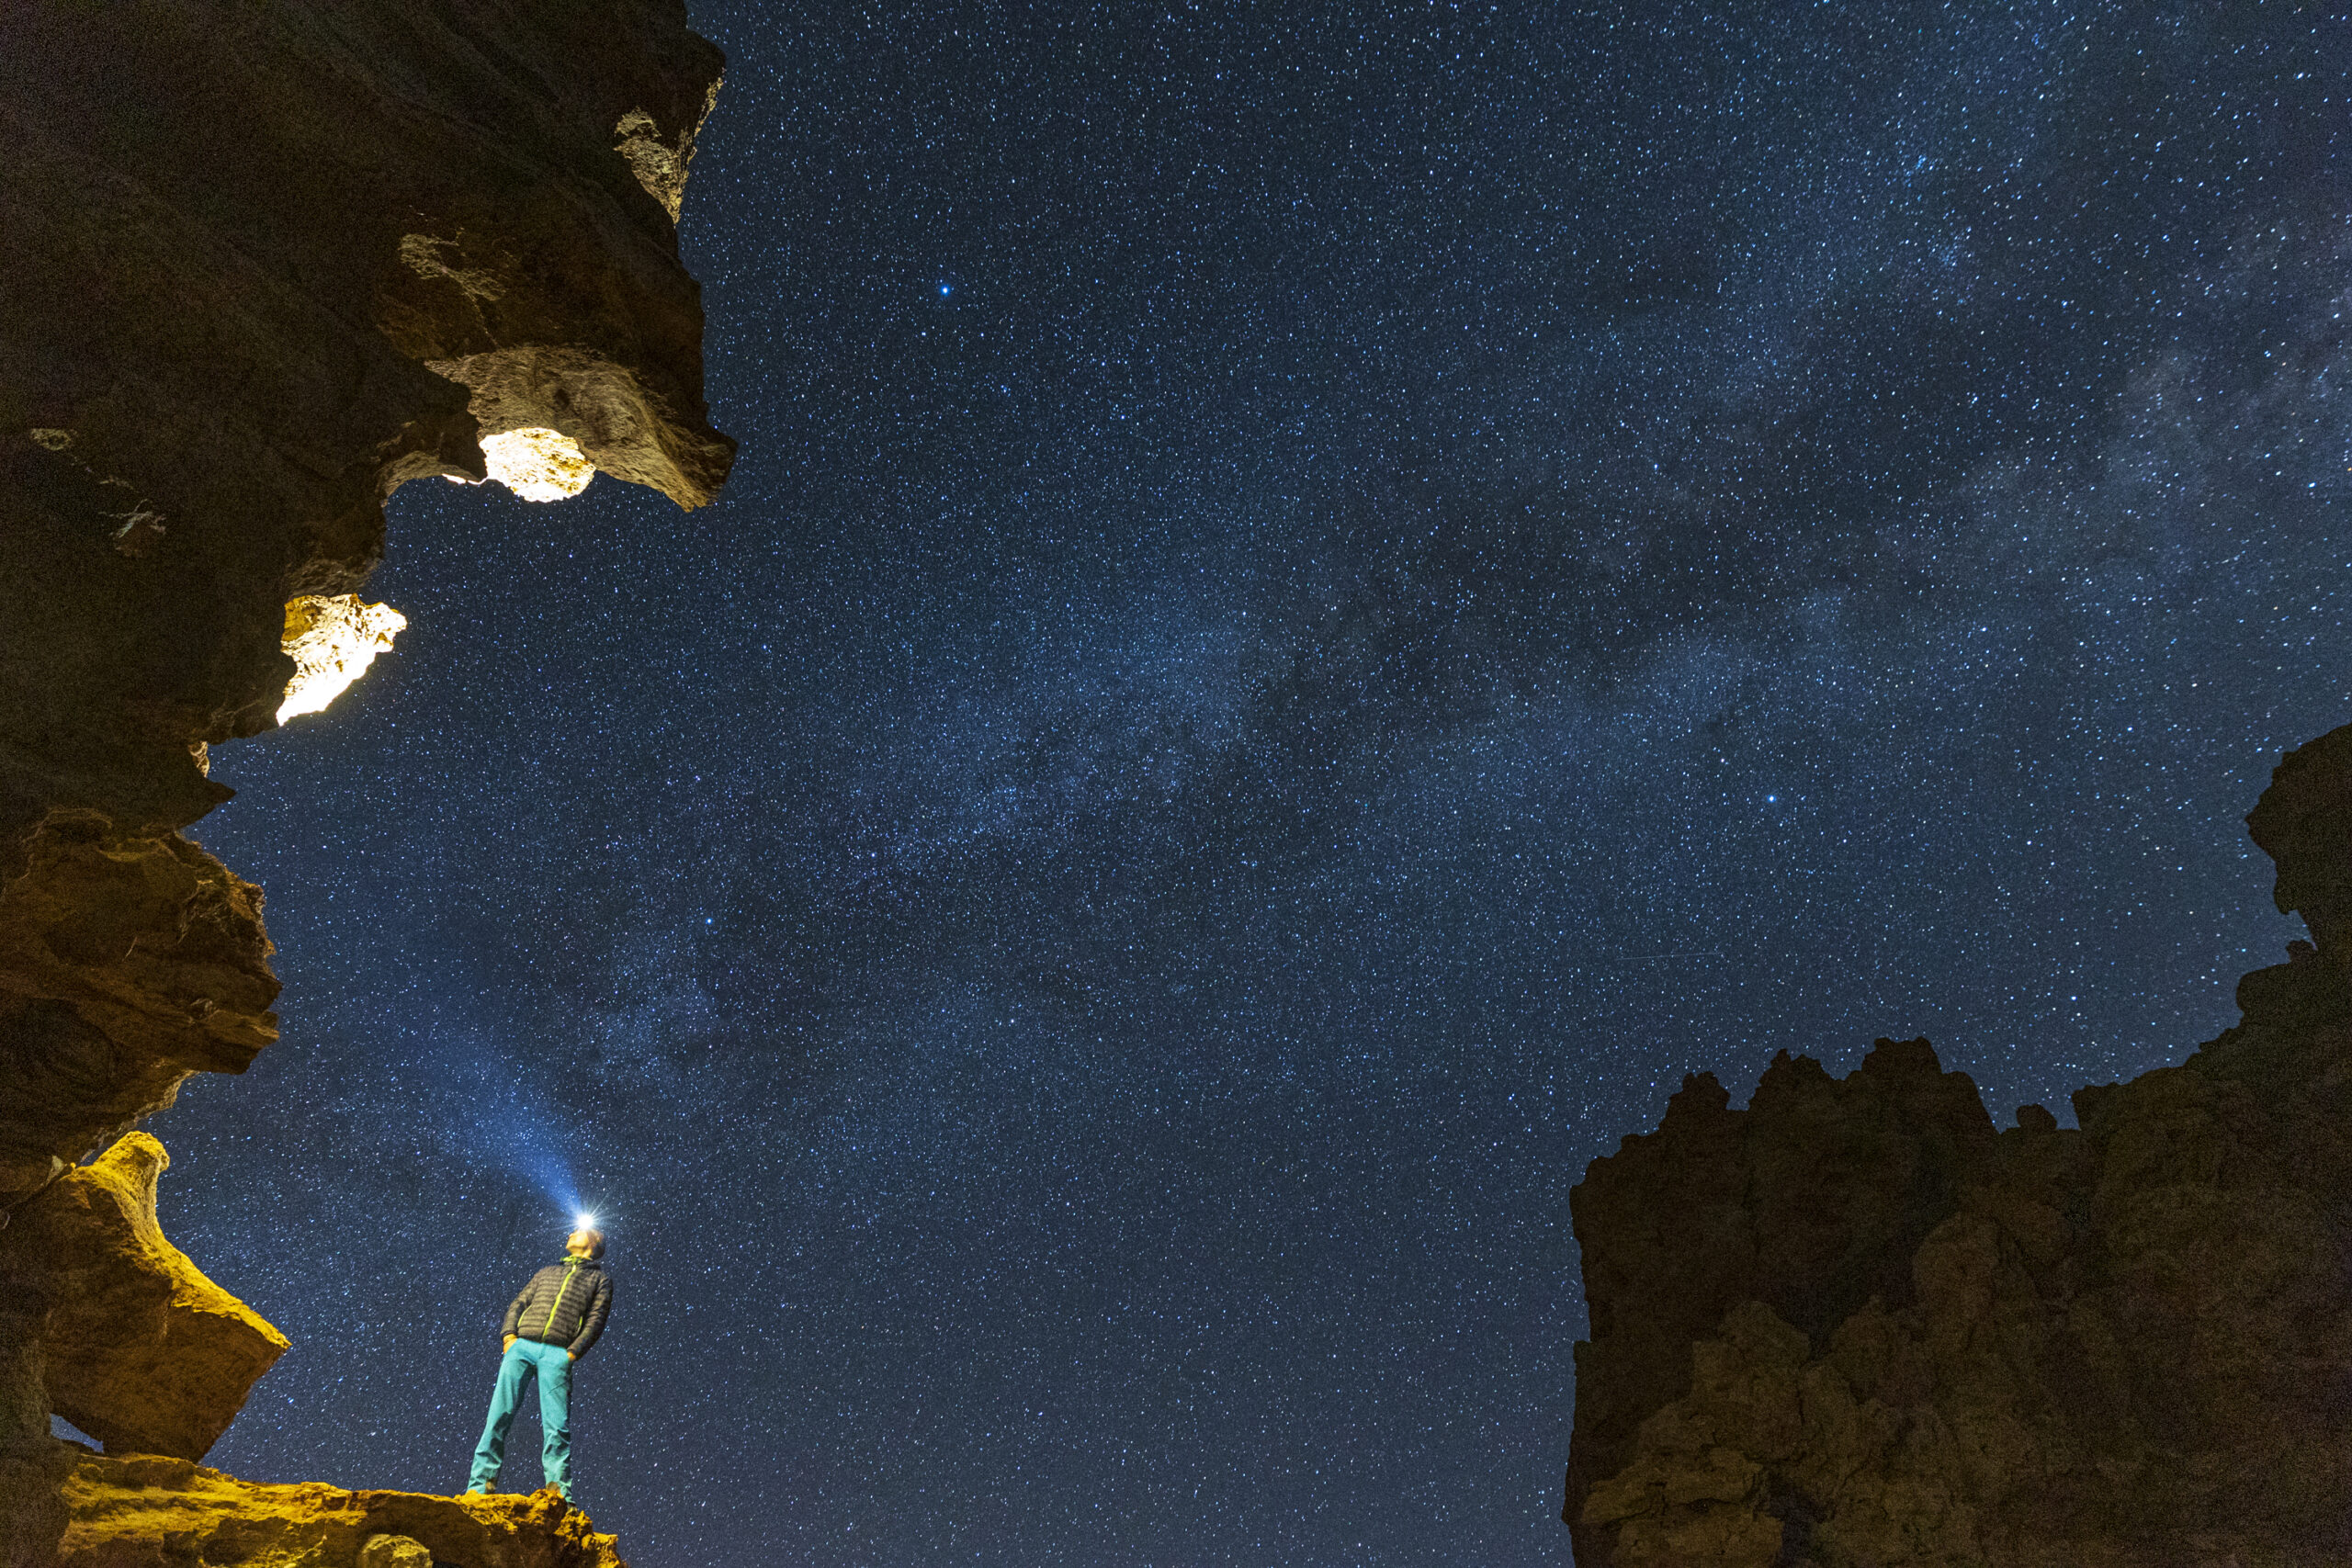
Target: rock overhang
266,264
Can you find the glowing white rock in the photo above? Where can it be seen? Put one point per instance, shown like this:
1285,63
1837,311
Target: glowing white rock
331,639
537,464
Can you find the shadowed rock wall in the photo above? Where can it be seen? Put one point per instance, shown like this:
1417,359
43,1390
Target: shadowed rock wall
1854,1325
264,264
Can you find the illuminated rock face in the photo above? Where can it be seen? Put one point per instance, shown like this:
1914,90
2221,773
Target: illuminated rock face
147,1512
1854,1324
331,639
141,1351
658,158
538,464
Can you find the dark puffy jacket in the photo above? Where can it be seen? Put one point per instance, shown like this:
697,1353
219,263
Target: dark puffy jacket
565,1303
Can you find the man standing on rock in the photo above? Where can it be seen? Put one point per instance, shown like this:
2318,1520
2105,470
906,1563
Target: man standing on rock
549,1327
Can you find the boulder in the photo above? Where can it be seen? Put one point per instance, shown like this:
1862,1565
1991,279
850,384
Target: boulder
141,1351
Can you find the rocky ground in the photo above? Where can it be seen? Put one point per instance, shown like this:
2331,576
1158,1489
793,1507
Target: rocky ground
147,1512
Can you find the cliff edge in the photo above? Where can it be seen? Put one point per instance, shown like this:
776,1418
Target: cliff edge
1854,1324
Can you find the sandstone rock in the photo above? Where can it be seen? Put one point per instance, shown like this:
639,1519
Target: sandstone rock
33,1465
395,1551
128,960
145,1512
141,1351
333,638
266,263
1852,1324
1812,1201
2301,823
32,1504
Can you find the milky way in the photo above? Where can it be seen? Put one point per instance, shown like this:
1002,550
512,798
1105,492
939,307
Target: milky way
1312,614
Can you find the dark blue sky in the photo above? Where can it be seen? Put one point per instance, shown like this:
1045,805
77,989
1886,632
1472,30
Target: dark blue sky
1312,613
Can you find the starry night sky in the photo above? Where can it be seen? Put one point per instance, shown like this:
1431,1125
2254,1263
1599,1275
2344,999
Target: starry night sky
1313,612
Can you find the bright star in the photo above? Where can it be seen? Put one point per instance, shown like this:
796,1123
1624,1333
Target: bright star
944,288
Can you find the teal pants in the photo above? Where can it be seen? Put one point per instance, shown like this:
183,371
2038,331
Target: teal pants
551,1364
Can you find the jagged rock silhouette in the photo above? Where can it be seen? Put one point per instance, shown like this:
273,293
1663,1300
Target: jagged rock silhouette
1854,1324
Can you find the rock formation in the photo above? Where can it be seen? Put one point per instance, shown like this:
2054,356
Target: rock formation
148,1512
264,262
1853,1323
141,1351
